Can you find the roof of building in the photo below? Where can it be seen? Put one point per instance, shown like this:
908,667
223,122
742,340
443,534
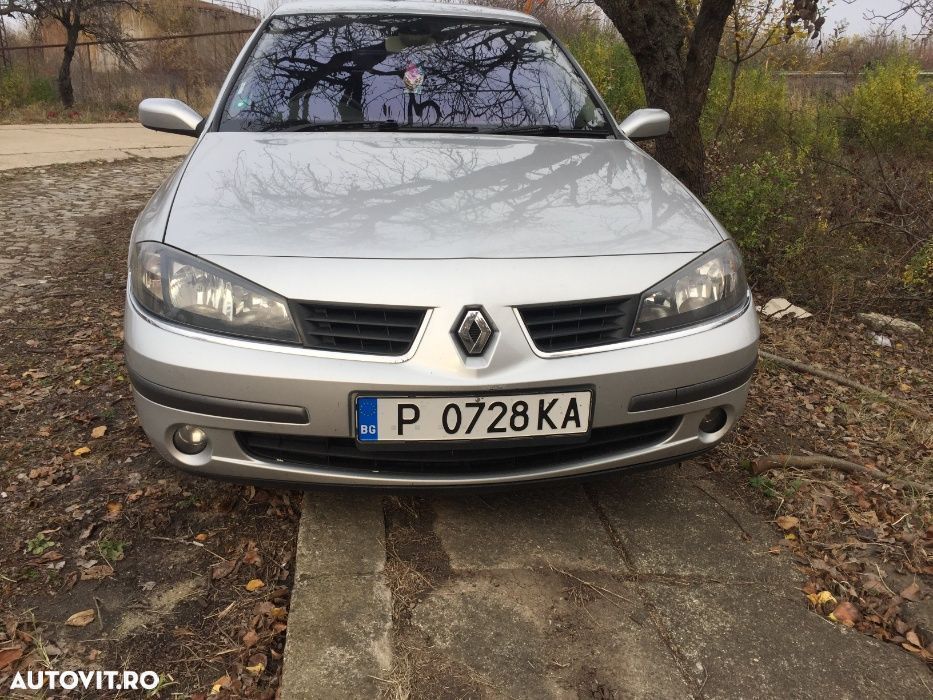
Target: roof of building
402,7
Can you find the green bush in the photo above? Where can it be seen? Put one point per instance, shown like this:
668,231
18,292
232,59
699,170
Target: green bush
919,272
19,90
751,199
890,108
612,69
760,112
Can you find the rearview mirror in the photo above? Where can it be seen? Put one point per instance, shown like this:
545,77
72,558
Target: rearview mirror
646,124
170,116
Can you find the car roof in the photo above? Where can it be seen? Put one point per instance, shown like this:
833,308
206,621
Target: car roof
402,7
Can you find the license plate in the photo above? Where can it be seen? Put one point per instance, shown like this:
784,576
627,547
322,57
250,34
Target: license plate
438,418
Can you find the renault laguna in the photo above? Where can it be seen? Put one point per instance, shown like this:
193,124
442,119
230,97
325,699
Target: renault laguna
410,247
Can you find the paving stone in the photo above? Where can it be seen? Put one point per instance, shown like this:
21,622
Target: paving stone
748,642
534,528
526,634
677,524
42,210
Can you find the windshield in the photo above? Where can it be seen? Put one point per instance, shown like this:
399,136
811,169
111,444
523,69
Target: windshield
429,73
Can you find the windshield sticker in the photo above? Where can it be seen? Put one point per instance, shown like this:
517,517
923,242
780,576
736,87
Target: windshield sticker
414,79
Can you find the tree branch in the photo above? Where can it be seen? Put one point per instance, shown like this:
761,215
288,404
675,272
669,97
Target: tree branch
768,462
845,381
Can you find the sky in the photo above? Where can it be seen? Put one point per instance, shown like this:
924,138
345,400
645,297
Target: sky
853,12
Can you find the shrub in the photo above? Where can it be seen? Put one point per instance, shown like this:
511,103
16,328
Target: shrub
19,90
890,108
751,198
919,272
760,109
612,69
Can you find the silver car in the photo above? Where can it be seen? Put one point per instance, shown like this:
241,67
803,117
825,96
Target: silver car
411,248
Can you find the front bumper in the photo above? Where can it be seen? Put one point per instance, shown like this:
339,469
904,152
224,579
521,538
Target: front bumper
295,392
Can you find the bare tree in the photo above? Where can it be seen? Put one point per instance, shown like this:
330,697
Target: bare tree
753,27
675,44
921,10
98,19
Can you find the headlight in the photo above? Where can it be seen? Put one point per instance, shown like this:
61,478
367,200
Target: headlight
711,285
187,290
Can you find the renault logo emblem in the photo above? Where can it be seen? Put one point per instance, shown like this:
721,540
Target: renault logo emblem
474,331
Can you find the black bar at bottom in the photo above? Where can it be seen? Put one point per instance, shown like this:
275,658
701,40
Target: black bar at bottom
213,406
694,392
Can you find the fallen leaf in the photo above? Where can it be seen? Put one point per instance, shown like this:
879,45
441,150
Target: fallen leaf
913,638
912,592
255,585
200,537
220,684
250,638
817,599
257,664
81,451
845,613
222,568
96,573
8,656
252,556
81,619
99,432
113,511
787,522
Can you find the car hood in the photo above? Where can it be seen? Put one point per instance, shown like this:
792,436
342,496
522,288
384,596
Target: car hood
428,196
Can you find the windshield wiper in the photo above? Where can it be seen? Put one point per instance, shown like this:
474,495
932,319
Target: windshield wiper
386,125
549,130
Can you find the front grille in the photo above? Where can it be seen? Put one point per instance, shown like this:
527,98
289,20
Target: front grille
368,330
343,453
579,324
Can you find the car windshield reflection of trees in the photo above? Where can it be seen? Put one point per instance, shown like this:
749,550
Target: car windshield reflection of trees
385,189
421,72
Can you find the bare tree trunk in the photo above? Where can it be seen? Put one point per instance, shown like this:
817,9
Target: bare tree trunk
675,64
66,92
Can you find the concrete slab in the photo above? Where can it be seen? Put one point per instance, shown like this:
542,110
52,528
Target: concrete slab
340,619
342,533
743,642
35,145
524,634
552,526
675,524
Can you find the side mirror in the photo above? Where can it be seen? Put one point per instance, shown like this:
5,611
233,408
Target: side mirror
646,124
170,116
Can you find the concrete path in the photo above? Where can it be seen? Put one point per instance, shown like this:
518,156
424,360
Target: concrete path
643,586
33,145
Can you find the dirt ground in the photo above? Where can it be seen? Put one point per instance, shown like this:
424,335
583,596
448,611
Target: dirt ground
90,518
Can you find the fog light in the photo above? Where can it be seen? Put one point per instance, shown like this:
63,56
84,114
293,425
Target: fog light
714,421
190,439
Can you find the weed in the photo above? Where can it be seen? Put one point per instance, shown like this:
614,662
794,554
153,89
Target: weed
39,544
111,550
763,484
